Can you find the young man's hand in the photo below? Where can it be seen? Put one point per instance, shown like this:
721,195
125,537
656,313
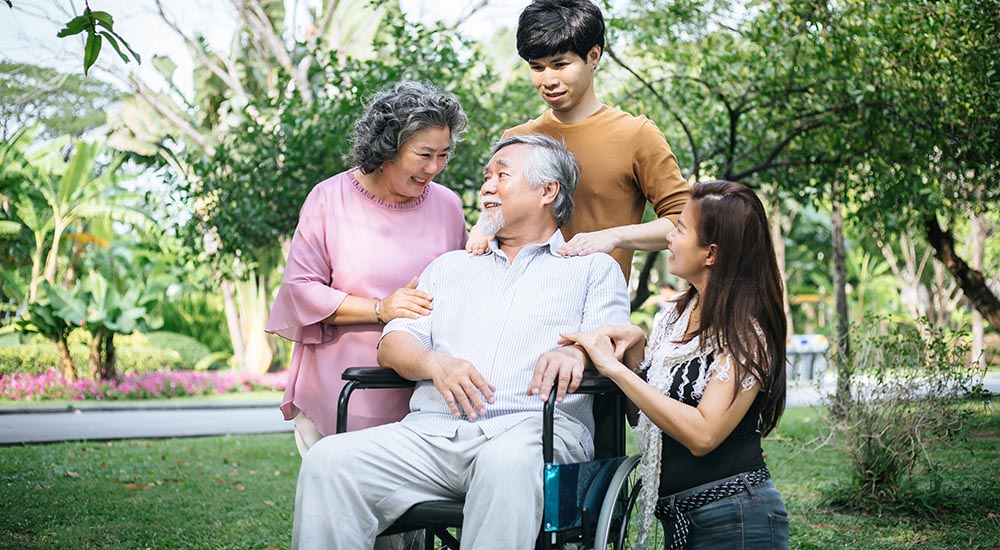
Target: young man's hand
583,244
478,242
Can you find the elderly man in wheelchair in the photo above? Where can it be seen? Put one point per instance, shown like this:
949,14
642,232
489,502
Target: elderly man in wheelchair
483,361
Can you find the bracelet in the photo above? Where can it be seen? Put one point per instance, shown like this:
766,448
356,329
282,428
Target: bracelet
378,311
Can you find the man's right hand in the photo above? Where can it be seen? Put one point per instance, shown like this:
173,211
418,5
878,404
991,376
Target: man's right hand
464,389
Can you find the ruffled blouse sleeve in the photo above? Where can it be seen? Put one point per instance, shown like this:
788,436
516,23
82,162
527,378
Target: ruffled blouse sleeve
305,297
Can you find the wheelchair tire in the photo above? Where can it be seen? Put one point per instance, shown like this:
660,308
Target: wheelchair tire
617,524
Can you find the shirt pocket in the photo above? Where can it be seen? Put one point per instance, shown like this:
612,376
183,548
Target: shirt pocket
551,307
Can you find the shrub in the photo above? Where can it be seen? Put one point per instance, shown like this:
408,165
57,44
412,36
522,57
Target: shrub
908,394
190,350
200,315
38,357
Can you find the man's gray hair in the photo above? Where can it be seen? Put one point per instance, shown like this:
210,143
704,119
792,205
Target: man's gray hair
393,116
549,161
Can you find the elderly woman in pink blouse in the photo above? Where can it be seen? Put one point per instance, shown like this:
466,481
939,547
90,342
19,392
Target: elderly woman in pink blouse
363,236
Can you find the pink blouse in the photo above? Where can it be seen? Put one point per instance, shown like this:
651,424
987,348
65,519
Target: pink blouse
349,242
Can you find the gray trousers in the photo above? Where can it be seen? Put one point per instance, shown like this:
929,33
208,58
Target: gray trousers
352,486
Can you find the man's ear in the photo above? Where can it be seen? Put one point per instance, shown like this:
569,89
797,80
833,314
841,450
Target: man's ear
594,55
549,192
710,257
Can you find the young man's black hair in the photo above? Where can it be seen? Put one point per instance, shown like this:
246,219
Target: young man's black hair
550,27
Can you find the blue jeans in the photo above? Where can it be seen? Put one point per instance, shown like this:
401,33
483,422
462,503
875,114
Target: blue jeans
754,519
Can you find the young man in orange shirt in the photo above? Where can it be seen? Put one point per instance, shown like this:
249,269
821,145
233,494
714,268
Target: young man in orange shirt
624,160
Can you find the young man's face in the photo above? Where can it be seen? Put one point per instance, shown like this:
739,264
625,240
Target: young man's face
564,80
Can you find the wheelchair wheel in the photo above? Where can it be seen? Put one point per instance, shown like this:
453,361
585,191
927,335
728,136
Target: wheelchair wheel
617,525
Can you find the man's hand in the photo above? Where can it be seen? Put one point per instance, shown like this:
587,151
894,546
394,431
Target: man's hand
583,244
563,366
464,389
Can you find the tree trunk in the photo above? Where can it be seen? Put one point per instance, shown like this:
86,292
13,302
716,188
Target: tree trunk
777,235
971,281
53,257
978,244
252,297
66,360
642,289
94,358
109,359
845,364
233,324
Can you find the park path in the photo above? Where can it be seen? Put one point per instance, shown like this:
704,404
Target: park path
40,424
127,421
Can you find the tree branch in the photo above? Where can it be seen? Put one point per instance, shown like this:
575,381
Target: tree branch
225,74
182,125
253,13
695,160
972,282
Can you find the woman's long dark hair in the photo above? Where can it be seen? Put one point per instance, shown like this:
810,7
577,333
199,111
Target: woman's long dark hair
744,291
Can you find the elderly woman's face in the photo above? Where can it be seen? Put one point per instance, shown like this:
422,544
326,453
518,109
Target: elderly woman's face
419,159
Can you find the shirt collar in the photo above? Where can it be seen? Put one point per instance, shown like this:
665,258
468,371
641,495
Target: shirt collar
554,243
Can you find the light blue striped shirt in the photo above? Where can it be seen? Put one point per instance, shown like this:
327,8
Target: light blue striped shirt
501,317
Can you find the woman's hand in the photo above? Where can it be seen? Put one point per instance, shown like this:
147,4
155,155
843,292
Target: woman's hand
406,302
624,337
478,242
600,349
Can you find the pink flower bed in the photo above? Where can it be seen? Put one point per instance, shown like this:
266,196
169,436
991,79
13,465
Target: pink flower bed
147,385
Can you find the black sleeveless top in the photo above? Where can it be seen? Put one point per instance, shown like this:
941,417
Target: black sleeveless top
740,452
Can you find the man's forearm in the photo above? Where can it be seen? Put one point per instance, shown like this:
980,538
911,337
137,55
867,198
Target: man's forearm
403,353
643,236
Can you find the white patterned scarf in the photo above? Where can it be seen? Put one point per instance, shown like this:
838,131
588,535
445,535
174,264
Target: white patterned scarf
666,359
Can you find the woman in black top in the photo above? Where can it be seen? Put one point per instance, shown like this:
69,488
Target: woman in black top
711,381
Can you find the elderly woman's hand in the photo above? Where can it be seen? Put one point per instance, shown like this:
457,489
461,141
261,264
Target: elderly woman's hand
406,302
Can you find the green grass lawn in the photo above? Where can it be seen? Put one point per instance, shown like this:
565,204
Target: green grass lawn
238,492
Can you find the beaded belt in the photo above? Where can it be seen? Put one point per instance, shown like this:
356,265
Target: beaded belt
674,512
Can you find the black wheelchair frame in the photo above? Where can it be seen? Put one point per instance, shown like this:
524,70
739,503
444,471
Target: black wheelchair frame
616,506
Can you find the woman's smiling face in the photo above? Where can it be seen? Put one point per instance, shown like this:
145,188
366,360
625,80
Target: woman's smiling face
688,259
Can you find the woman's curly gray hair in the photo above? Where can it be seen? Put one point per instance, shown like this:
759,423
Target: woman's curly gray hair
393,116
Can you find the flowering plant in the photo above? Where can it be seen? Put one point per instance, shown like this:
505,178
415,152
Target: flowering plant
146,385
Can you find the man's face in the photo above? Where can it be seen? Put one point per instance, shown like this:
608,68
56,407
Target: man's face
506,197
563,80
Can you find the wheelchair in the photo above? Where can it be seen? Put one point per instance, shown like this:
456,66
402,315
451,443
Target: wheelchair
589,505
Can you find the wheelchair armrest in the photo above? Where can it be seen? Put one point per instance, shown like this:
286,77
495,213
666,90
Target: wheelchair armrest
365,378
593,383
375,377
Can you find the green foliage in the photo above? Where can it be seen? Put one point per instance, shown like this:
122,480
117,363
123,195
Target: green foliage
198,315
43,316
62,104
908,387
38,357
98,25
249,192
190,350
137,352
